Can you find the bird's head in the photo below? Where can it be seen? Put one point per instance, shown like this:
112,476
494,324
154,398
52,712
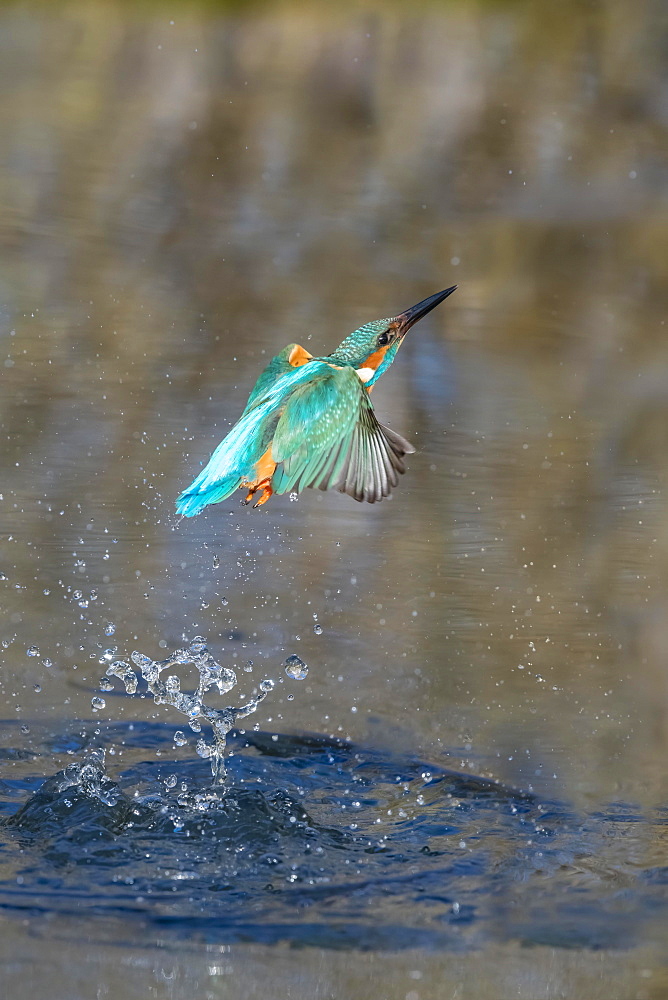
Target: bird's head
372,348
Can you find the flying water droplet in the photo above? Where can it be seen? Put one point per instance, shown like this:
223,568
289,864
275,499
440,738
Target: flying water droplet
37,688
295,668
216,562
109,628
97,703
105,684
317,629
267,685
32,651
294,497
180,738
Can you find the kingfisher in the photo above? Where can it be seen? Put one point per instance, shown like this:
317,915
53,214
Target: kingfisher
309,422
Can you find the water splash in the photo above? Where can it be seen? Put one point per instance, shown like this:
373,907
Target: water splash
168,692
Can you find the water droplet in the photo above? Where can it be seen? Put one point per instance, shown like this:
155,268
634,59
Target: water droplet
46,591
224,601
77,595
294,497
82,604
248,666
317,629
295,668
171,781
216,562
267,685
3,576
109,628
46,662
180,738
37,688
97,703
25,729
105,684
203,749
32,651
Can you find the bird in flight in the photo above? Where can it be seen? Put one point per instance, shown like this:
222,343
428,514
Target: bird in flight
310,422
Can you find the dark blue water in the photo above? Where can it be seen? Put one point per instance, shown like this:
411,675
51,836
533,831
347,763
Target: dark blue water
313,841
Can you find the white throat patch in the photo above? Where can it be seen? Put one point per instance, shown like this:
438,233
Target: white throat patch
365,374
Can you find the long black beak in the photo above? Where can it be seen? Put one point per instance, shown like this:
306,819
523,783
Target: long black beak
410,317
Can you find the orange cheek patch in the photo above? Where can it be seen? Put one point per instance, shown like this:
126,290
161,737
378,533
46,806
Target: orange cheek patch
299,356
375,359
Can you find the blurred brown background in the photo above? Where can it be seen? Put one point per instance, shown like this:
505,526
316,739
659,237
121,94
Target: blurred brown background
187,187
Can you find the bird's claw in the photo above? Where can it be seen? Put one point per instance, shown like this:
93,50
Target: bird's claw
253,488
266,493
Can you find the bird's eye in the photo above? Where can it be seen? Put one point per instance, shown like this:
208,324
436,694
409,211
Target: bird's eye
384,339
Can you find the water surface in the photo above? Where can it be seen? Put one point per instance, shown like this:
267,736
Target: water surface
187,188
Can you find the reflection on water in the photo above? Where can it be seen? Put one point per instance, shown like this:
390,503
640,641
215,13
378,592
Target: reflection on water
185,190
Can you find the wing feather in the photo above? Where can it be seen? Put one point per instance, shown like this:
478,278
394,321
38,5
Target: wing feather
328,437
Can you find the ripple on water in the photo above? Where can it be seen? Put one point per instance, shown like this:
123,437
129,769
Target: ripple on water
317,841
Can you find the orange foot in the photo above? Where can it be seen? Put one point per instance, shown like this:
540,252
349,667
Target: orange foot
265,486
266,492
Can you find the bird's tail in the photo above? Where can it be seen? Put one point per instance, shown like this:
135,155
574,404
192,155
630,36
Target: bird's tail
193,500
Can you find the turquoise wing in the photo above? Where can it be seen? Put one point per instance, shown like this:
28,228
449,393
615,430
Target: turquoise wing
292,356
328,437
234,459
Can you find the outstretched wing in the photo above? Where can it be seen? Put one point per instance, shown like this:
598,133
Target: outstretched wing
328,437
